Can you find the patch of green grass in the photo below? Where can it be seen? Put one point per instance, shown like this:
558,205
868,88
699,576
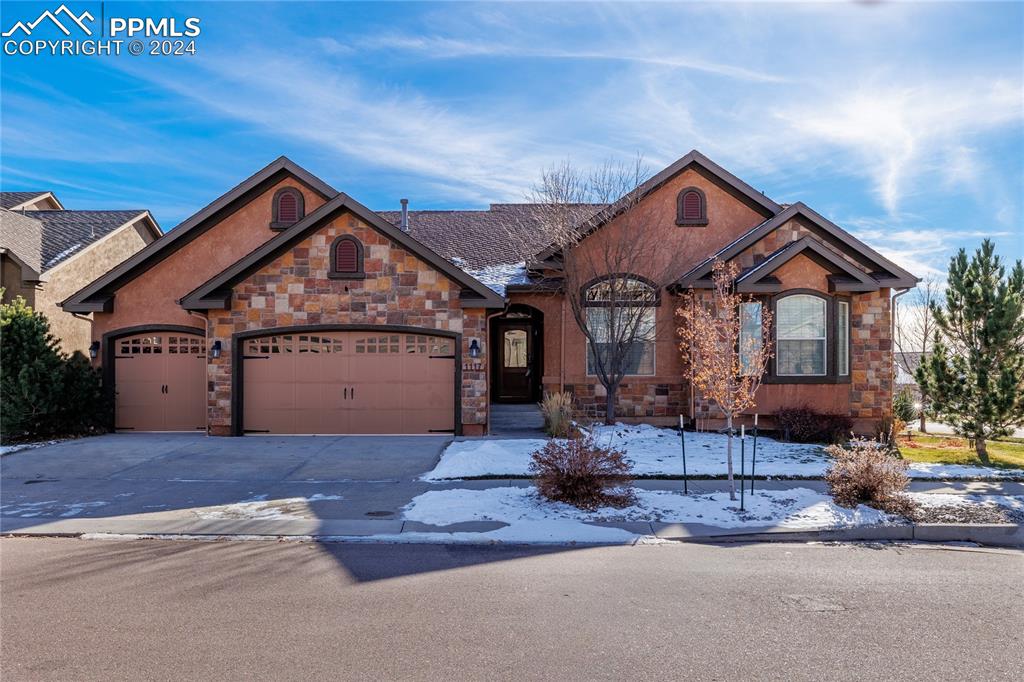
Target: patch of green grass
1005,454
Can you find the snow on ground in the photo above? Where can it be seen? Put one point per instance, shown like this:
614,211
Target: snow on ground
17,447
1014,502
797,508
259,507
654,451
48,508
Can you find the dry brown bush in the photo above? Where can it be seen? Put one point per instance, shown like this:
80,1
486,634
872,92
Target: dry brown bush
580,472
864,472
559,412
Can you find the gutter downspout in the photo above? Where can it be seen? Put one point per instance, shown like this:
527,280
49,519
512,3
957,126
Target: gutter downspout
892,332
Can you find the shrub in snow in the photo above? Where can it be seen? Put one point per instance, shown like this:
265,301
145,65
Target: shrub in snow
864,472
44,392
559,411
806,425
580,472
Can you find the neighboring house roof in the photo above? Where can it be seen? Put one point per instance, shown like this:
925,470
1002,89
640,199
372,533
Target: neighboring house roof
883,270
501,235
21,237
42,240
215,293
15,200
907,360
98,295
65,233
694,159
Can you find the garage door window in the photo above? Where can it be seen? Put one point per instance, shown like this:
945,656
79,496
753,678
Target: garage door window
142,345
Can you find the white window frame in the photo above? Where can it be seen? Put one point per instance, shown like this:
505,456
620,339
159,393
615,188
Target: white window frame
824,339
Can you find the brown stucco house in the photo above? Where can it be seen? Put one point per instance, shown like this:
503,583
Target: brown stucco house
48,252
286,306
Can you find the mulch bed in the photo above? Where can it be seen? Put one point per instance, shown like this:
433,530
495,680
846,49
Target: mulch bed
968,513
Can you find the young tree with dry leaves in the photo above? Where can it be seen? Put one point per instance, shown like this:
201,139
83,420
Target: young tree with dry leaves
724,341
612,283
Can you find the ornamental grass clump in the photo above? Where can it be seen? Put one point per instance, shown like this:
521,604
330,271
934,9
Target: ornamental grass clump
582,473
558,409
864,472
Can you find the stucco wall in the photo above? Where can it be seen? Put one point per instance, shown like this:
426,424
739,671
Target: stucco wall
399,289
76,333
666,394
10,280
153,297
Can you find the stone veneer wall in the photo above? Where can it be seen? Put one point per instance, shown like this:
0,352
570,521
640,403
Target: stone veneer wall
399,289
635,399
871,355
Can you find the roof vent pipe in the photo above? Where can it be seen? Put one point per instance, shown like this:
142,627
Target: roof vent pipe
405,215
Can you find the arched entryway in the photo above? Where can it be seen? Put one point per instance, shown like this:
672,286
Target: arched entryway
517,347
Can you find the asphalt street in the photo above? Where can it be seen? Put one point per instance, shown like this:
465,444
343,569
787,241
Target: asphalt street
75,609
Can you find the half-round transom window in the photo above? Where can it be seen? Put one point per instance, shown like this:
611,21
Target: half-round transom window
621,291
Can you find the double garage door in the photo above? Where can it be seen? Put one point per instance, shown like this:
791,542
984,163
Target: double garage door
348,382
329,383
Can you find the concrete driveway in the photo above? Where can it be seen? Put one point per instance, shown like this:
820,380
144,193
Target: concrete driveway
167,476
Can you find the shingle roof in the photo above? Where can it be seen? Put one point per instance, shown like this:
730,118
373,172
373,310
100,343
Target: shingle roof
65,232
473,239
20,234
12,199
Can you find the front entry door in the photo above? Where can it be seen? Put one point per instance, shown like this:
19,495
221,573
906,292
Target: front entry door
515,371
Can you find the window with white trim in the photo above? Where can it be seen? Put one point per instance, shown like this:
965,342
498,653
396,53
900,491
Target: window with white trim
800,336
843,338
621,310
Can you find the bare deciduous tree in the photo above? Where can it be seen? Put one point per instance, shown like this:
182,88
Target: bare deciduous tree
612,282
724,340
915,329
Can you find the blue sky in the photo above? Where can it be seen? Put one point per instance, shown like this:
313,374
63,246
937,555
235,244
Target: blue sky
902,122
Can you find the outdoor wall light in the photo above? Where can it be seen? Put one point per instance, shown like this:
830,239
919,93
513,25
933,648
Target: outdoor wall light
215,350
94,349
474,349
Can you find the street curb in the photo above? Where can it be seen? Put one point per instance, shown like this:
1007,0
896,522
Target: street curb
994,535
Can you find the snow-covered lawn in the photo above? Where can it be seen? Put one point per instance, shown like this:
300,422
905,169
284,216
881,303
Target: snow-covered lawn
654,451
531,517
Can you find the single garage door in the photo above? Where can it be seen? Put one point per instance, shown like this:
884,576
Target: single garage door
348,382
160,382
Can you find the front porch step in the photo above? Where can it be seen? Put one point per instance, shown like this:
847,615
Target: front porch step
517,420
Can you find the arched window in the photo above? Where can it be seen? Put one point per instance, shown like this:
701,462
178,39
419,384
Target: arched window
801,327
288,208
621,320
347,258
691,207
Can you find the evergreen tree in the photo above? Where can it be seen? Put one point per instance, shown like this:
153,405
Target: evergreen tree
975,375
31,373
43,392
